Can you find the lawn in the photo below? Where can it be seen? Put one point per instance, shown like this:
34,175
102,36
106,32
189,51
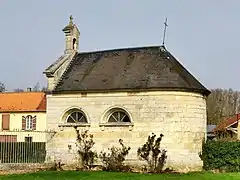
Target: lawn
74,175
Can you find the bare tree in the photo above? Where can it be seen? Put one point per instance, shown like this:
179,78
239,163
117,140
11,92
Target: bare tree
221,104
36,88
2,87
18,90
44,89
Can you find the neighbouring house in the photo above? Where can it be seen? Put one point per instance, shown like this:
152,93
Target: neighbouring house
125,93
22,117
210,131
229,128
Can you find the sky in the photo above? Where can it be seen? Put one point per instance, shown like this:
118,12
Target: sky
202,35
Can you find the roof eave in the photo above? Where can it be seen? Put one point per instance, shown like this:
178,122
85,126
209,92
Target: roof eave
22,111
48,74
199,91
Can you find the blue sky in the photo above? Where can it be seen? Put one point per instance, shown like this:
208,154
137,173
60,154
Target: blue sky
202,35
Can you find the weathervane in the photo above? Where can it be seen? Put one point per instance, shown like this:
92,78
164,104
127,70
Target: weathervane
164,33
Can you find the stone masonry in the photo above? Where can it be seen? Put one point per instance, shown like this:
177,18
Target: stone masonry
180,116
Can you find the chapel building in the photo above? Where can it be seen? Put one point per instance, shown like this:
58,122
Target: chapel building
125,93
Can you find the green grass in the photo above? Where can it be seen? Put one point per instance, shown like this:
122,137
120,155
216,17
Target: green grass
74,175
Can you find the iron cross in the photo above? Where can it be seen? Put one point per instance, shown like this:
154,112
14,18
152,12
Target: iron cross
164,33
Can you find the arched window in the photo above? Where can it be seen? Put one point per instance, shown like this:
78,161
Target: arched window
74,44
76,117
119,116
29,122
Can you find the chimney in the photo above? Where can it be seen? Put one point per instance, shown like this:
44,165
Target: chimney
29,89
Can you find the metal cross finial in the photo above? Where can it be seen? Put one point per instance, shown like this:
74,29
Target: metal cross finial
164,33
71,20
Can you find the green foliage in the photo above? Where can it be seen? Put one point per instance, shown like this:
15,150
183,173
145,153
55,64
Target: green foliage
85,144
152,154
221,155
113,161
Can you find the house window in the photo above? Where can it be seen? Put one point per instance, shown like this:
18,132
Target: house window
28,139
5,121
29,122
76,117
119,116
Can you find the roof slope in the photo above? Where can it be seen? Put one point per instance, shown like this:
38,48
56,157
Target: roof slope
22,102
132,68
227,122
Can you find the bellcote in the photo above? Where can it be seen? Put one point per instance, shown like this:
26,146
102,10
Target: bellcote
72,35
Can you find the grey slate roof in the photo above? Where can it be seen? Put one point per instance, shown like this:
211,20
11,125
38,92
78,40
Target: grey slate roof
139,68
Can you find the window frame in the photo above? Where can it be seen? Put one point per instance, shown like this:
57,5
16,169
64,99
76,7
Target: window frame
110,112
117,119
29,122
68,113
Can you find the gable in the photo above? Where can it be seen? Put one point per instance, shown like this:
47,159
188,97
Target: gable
127,69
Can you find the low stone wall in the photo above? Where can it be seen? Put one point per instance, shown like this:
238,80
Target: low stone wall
24,166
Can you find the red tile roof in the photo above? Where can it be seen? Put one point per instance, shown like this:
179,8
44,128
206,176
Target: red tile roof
225,123
22,101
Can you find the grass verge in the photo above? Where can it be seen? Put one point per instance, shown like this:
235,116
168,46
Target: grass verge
76,175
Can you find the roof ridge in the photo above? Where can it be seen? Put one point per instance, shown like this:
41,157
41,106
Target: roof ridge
121,49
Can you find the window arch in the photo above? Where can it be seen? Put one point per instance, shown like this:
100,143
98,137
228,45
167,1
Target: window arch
76,116
118,115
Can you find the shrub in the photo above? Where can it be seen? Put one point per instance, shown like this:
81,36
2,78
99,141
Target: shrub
221,155
85,144
57,166
113,161
152,154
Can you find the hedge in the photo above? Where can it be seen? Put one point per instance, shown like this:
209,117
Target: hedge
221,155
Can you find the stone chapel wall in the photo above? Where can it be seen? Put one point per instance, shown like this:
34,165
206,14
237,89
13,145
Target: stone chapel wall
180,116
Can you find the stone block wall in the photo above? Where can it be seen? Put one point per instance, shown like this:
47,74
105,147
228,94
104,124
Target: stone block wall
180,116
